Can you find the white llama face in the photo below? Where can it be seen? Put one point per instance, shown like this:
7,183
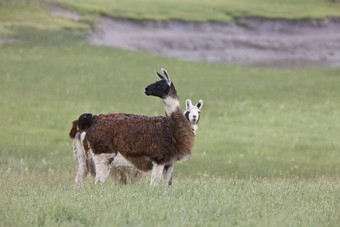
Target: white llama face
192,112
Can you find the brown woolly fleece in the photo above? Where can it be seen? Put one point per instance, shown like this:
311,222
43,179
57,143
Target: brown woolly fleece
159,139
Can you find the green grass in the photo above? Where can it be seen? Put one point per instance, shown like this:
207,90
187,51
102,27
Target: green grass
20,13
207,10
47,200
278,127
262,122
267,151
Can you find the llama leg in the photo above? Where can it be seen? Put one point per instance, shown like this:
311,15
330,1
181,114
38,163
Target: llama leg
103,166
91,167
156,173
89,156
79,155
167,173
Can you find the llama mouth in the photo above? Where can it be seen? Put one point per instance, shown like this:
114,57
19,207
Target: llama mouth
148,93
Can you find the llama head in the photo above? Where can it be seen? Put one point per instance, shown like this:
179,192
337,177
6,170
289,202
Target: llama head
163,88
85,121
192,112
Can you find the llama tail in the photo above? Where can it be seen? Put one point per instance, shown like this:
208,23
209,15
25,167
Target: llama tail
74,129
83,123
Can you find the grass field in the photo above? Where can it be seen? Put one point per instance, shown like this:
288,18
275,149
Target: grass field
207,10
48,200
267,151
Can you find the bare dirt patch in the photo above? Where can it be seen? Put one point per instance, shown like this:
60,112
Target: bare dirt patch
258,42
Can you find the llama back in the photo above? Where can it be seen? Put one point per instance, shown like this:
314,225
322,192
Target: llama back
132,135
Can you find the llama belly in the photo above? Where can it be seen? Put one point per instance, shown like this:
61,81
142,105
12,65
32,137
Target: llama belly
183,157
142,163
143,159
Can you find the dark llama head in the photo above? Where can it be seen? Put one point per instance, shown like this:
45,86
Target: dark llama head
85,121
163,88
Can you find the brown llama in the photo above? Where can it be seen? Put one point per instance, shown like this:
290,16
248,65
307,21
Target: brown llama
122,171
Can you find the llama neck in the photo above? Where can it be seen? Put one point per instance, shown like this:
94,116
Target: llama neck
171,105
194,127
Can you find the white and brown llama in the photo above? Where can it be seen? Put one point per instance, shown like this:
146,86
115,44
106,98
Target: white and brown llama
192,113
122,171
158,142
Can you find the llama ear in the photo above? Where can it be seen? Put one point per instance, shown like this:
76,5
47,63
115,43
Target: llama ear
200,104
167,77
159,75
188,103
